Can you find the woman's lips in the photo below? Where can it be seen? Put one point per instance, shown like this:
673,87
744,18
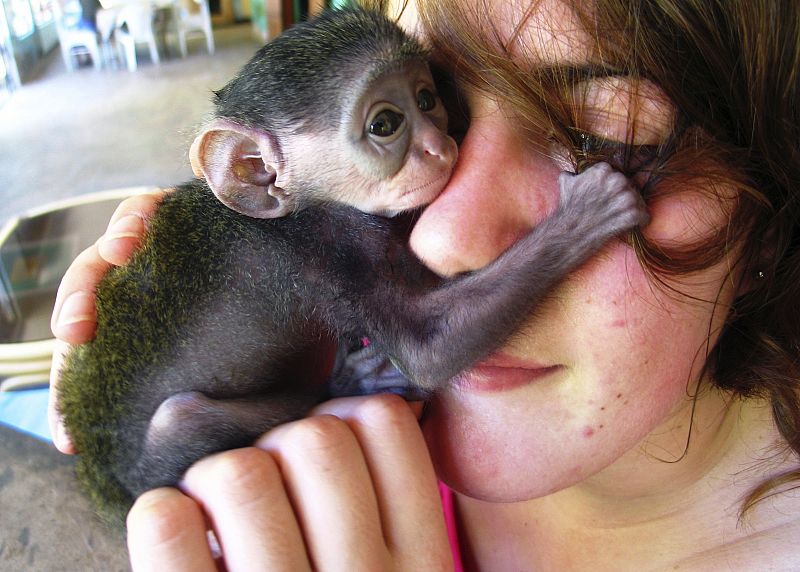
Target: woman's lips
502,372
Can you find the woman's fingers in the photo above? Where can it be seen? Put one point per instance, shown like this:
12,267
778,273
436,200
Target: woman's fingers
128,226
349,488
243,494
363,462
74,318
167,531
330,487
403,478
73,321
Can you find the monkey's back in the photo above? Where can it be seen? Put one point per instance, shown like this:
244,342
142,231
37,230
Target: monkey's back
207,281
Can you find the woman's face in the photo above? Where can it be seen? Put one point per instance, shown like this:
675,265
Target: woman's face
606,361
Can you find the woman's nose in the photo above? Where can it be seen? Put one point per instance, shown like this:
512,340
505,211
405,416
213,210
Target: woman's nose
500,189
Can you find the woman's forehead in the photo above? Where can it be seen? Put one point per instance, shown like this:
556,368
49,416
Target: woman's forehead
541,32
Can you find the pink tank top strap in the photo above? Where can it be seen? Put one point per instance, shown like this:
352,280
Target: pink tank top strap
448,505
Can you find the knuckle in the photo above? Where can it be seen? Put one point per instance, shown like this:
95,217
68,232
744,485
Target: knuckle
318,434
88,258
385,410
130,206
604,167
241,470
629,200
617,180
162,515
138,205
438,561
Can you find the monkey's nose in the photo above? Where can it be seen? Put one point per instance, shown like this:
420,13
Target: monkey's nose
441,147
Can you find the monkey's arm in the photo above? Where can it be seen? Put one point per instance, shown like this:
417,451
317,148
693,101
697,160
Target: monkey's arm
435,335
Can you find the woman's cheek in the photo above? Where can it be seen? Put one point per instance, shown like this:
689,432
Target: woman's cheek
634,333
627,353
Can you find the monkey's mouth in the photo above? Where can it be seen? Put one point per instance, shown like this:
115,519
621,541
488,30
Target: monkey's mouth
426,189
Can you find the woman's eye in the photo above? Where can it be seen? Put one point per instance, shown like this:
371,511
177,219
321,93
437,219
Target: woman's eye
426,100
622,109
626,158
624,121
386,123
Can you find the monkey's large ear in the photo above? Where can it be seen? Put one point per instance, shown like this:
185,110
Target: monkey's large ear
241,164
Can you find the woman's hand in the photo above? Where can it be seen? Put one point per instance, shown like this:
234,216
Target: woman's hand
351,487
74,316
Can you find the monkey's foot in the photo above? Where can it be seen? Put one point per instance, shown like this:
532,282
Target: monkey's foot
369,371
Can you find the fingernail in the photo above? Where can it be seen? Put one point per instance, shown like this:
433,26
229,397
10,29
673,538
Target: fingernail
129,226
78,307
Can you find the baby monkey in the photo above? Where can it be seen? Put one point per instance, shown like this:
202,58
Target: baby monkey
285,252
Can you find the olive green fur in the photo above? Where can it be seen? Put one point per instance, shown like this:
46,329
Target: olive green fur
93,388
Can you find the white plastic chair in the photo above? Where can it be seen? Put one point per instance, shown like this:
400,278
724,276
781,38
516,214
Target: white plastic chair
135,26
106,21
194,17
73,37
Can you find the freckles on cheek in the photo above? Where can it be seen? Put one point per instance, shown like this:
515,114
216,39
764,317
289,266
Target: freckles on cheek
609,287
630,334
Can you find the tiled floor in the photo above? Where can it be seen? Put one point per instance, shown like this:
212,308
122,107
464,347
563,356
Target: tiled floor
67,134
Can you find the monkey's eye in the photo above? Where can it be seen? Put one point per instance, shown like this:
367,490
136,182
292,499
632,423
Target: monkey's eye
426,100
386,123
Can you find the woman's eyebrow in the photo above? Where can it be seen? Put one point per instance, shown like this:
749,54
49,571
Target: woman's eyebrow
576,73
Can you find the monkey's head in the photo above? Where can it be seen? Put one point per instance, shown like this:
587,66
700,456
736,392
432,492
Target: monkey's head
341,108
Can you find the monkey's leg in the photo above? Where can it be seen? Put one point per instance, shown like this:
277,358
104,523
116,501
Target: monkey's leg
433,336
190,425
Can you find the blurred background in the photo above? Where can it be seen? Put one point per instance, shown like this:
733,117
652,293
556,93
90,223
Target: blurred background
98,100
95,96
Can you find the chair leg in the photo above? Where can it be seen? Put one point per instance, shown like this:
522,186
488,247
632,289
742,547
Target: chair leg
209,40
182,42
95,53
154,51
67,58
130,55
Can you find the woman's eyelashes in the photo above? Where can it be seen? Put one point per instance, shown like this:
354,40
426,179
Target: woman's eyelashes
625,121
628,158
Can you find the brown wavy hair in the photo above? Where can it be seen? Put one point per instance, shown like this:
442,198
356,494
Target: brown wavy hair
731,69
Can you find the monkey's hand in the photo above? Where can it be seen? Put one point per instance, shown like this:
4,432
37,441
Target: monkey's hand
600,202
595,206
74,316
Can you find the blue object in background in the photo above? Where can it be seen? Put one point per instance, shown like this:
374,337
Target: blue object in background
26,410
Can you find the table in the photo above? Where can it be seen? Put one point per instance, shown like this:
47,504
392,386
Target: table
36,248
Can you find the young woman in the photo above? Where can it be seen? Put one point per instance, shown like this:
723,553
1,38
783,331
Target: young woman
646,417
